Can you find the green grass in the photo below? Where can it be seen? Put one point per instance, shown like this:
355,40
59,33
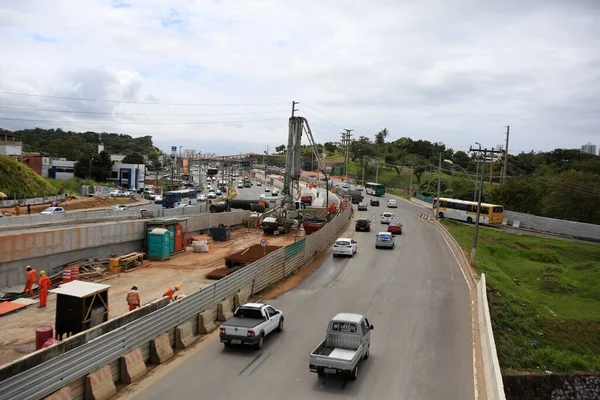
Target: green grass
528,276
20,181
73,185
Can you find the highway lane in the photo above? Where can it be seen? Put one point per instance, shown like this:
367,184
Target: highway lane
415,296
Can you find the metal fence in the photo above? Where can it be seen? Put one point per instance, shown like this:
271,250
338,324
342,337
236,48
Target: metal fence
551,225
44,379
33,201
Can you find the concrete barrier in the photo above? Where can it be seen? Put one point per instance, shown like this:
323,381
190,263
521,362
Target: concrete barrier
62,394
99,385
160,349
491,367
205,322
133,366
516,224
184,336
224,310
241,298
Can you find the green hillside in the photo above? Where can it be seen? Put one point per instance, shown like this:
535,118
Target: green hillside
21,181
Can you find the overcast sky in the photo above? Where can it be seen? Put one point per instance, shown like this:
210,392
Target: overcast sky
451,71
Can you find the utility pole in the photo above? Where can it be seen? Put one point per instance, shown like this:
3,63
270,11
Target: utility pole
505,154
476,173
491,168
346,139
377,173
476,231
294,107
437,206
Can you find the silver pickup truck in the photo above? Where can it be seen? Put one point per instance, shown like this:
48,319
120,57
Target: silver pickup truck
347,342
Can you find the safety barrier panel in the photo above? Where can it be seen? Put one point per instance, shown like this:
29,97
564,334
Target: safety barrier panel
159,327
491,368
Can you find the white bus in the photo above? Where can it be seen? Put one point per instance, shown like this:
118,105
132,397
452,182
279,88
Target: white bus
463,210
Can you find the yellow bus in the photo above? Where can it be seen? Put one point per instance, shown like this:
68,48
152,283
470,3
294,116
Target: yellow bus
466,211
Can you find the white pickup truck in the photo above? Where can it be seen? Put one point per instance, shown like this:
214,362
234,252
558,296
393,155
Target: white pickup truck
347,342
250,324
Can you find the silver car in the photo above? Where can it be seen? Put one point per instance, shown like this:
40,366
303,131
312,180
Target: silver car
384,240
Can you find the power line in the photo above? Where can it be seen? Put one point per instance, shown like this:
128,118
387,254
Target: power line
339,119
138,123
136,114
138,102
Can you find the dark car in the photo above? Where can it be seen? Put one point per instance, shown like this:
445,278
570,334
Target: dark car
395,227
374,202
362,207
363,224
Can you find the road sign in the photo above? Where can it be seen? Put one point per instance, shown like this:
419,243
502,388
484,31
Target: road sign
263,242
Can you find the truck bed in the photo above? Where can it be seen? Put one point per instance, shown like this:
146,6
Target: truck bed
333,357
243,322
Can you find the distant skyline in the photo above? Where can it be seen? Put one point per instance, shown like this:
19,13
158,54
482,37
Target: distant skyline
220,77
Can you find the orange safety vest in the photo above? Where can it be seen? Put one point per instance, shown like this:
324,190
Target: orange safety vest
31,276
169,293
44,284
133,297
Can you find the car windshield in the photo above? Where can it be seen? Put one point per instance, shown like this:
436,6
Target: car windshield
387,215
251,313
342,243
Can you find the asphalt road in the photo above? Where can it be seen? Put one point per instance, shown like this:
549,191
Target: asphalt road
415,296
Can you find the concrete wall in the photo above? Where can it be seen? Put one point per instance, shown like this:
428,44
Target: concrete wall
51,248
552,387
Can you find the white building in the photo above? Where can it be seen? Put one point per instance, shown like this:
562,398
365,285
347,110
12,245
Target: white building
589,148
189,153
10,145
130,176
61,169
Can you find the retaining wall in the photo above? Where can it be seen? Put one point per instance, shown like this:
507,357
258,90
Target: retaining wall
552,387
49,249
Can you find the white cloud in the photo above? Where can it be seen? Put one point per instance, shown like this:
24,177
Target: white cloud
455,72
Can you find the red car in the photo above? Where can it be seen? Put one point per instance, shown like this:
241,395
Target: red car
395,227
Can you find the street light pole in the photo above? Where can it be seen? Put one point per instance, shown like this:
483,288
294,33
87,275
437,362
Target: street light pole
377,173
437,208
363,178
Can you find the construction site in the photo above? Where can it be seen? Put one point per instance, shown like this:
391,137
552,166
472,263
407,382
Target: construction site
187,268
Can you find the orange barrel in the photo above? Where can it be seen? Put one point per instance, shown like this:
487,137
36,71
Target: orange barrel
114,265
42,333
66,275
75,273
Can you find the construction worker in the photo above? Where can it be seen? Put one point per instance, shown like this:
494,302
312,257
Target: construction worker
17,210
133,298
43,286
171,291
30,280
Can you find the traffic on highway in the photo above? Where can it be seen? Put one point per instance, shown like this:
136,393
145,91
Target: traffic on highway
414,294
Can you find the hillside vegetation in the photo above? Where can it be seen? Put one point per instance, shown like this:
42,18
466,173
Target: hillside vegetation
18,180
544,299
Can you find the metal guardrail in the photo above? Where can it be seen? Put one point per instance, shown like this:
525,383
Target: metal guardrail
50,376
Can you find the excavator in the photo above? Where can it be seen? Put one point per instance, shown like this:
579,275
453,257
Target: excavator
284,217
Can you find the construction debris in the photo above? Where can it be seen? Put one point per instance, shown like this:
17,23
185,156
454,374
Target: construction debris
91,269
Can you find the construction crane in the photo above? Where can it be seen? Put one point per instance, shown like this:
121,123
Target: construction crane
282,218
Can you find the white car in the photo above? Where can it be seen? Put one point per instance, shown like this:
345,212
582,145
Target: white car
387,217
1,215
392,203
53,210
359,188
275,192
219,193
262,196
211,195
117,207
267,189
258,184
202,197
250,324
181,205
344,247
158,199
345,186
116,193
